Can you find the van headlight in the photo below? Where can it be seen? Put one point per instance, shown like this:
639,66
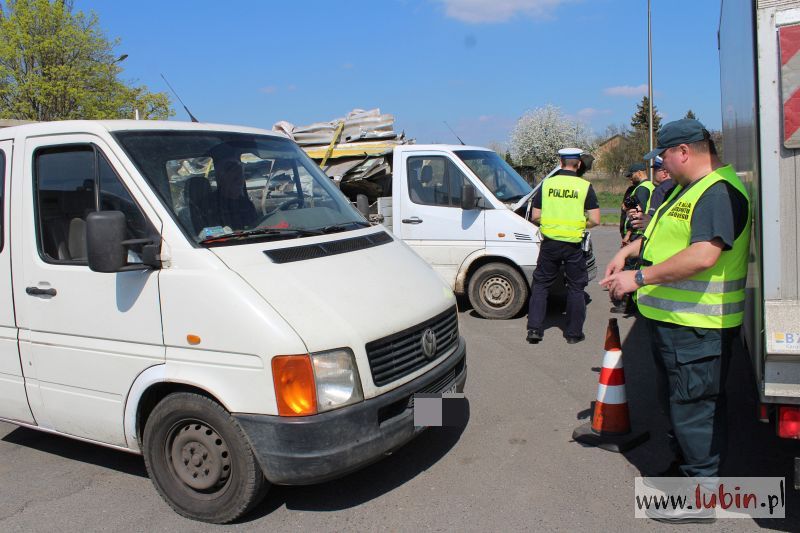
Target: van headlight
336,377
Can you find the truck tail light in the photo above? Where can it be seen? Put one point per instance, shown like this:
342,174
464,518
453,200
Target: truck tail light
789,422
763,413
295,390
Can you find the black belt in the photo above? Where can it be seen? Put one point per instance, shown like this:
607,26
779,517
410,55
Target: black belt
546,239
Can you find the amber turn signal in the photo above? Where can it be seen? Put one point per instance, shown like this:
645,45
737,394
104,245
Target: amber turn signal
193,339
295,390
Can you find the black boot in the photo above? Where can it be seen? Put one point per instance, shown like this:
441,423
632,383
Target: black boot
534,336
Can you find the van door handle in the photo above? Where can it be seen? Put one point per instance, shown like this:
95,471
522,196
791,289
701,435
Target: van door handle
412,220
36,291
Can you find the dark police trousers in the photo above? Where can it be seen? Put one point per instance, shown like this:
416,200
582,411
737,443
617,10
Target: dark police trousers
552,254
692,365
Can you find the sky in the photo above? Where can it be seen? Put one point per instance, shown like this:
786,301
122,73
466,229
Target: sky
479,65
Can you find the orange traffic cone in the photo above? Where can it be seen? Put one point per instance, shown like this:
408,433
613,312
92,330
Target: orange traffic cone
610,427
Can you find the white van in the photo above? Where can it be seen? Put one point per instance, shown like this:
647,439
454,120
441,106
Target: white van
461,208
150,306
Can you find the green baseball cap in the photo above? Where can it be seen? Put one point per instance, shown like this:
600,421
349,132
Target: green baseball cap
683,131
635,167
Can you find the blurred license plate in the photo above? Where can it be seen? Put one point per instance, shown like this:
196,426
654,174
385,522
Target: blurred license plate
450,390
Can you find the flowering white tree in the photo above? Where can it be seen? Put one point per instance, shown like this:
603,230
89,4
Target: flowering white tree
541,133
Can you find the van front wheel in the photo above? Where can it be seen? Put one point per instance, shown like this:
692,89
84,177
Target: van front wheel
199,460
497,291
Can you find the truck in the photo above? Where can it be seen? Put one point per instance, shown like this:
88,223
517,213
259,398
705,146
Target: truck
154,309
462,208
759,72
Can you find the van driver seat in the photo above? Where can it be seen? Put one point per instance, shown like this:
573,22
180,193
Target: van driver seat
201,203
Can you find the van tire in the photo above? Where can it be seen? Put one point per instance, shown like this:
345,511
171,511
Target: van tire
497,291
199,459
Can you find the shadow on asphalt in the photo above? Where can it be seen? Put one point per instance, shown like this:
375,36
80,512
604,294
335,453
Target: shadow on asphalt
369,483
556,309
76,450
352,490
753,448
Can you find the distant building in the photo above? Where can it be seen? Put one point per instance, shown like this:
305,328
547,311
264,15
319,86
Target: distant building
609,144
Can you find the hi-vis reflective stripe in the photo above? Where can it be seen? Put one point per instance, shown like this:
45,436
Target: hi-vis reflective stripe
612,359
611,394
611,388
728,308
715,287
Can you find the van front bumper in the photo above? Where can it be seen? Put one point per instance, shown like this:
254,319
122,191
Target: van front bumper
312,449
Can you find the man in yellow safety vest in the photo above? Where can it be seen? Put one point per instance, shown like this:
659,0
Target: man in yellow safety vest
691,290
641,192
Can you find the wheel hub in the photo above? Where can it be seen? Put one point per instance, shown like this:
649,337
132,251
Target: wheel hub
497,291
199,456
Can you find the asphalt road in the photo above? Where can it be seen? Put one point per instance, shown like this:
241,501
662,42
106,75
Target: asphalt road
513,467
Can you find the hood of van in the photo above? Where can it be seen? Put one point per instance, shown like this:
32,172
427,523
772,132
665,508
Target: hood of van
343,299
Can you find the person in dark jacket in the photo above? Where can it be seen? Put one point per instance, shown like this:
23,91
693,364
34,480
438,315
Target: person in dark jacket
664,185
623,214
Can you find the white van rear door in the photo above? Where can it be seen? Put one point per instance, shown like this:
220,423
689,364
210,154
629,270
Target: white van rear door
88,334
13,400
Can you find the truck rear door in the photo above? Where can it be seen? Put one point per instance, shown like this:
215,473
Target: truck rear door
13,400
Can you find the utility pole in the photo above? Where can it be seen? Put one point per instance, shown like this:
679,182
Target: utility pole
650,85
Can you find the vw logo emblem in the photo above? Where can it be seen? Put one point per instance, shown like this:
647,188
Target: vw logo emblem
429,343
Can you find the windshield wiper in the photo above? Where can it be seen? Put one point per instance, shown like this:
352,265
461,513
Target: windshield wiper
335,228
261,232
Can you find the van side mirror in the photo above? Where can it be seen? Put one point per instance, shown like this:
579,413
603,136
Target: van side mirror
107,248
468,200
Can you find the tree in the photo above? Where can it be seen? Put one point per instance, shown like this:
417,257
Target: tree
616,151
639,139
501,150
539,134
641,120
690,114
633,143
57,65
496,147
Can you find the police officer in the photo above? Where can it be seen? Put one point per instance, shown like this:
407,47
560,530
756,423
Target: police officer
664,185
560,209
641,192
642,189
623,215
691,289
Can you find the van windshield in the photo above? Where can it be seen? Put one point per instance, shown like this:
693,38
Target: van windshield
225,187
502,180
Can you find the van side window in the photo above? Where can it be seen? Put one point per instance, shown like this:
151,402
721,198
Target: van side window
434,180
66,180
2,195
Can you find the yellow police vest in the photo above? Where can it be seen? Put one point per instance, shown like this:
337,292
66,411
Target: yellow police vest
646,184
713,298
563,199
